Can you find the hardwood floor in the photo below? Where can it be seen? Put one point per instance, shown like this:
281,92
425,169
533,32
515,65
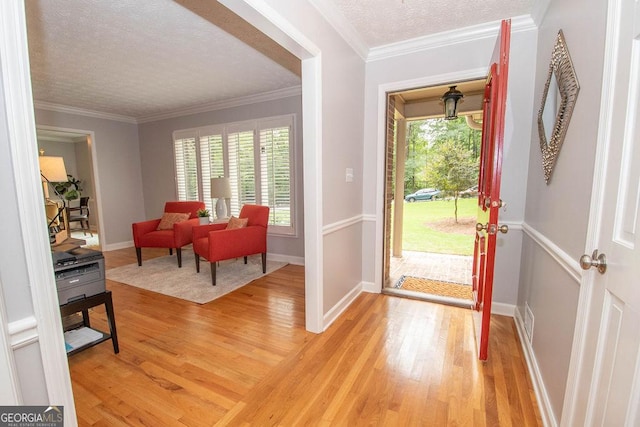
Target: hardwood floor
246,359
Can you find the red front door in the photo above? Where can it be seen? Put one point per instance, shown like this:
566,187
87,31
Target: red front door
489,203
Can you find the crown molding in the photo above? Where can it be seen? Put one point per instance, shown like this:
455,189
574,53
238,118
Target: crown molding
43,105
213,106
228,103
448,38
338,21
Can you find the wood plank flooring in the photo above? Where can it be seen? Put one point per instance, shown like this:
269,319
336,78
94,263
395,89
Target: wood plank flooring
246,359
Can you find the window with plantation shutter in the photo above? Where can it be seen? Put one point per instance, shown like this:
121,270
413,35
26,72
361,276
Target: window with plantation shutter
186,169
256,156
242,170
275,174
212,164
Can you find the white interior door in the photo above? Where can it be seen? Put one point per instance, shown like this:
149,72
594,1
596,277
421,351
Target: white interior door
609,372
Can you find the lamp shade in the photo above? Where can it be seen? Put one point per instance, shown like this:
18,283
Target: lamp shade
52,169
220,188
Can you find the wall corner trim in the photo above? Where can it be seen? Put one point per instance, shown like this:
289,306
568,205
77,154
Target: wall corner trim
23,332
336,19
371,288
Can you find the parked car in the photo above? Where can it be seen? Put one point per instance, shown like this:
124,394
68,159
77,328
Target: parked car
424,194
469,192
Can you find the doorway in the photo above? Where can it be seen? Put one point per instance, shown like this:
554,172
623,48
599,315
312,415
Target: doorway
79,194
431,193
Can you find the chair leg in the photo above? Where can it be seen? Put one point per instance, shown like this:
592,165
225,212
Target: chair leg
213,273
264,262
197,262
245,260
170,251
139,255
179,254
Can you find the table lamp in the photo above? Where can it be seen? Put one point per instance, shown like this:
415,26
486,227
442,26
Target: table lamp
221,190
51,170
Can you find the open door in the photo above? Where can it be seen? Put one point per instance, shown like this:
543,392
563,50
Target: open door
489,202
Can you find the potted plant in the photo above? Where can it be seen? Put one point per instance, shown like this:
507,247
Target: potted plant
203,216
70,189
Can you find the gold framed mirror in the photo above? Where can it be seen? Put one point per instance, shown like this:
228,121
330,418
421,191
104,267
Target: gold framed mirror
558,99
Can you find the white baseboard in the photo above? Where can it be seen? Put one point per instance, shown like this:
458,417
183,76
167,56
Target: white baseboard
370,287
116,246
295,260
341,306
503,309
544,404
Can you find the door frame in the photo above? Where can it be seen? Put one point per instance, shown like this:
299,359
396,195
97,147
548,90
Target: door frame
91,141
383,89
581,362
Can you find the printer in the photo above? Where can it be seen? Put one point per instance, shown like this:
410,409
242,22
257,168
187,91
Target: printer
79,273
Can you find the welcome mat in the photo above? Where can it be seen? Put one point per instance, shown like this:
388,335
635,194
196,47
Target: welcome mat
435,287
162,275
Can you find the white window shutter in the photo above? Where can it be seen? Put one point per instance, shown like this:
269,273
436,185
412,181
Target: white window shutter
186,169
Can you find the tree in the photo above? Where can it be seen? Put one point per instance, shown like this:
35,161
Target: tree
452,169
416,156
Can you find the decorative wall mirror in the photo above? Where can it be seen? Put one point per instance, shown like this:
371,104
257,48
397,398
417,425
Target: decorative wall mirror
558,99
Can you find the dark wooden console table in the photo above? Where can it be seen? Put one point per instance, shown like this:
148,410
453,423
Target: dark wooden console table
83,305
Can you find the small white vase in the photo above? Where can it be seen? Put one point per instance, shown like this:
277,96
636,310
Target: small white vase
203,220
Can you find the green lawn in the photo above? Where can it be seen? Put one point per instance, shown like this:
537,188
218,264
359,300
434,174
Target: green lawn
419,234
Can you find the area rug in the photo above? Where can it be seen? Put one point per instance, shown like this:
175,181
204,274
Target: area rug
435,287
162,275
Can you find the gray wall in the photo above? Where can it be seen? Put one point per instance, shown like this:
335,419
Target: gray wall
117,170
157,164
556,215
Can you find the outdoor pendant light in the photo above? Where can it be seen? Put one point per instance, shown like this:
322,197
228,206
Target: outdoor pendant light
451,98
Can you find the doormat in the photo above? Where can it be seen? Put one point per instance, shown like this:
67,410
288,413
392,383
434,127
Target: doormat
435,287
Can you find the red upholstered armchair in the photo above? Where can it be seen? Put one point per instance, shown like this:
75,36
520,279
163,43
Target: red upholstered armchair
147,235
214,242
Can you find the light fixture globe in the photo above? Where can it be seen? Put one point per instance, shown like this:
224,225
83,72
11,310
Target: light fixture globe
450,99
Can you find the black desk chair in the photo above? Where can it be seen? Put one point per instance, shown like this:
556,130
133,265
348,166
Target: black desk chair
81,215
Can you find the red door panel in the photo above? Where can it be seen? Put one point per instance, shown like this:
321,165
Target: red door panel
489,201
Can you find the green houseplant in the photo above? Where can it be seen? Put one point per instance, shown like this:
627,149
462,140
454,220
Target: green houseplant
70,189
203,216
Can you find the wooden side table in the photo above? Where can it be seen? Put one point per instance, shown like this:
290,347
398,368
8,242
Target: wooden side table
83,305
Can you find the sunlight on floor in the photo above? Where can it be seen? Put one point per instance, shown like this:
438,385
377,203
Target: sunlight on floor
91,241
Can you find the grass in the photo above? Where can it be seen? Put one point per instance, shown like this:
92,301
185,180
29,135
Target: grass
420,234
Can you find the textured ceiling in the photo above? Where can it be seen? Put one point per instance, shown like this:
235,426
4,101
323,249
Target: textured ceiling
382,22
148,58
139,58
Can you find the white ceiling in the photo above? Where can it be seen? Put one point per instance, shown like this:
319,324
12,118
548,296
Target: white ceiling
143,59
382,22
